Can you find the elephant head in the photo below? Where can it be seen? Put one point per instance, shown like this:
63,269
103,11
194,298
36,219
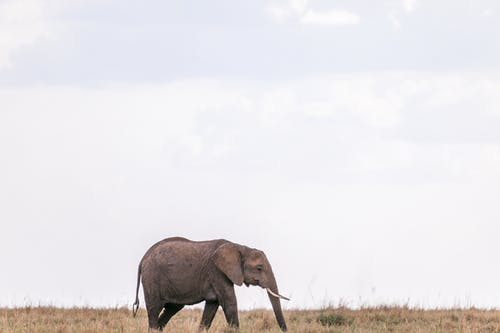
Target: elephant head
242,264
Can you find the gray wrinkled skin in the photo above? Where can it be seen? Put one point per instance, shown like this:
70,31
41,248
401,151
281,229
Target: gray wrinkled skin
177,272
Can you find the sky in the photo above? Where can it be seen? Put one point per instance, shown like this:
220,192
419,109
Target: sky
357,143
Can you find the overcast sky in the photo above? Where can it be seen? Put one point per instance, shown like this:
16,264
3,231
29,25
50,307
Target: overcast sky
357,143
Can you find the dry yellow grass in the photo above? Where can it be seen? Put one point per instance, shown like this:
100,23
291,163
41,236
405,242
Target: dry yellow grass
332,320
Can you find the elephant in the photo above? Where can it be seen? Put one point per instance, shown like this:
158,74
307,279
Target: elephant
177,272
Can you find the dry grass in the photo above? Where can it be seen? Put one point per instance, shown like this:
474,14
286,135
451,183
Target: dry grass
332,320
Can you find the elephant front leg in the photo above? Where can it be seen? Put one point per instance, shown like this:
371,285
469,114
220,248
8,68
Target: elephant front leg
230,307
209,314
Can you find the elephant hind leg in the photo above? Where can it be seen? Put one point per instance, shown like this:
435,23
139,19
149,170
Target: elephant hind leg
153,313
169,311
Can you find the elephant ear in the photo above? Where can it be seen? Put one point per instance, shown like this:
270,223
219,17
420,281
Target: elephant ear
227,258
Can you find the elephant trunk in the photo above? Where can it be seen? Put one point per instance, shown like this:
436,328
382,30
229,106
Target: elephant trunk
275,302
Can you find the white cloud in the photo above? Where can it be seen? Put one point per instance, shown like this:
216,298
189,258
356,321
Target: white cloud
25,22
332,17
22,22
410,5
279,13
283,12
395,20
446,163
298,6
488,12
300,10
394,15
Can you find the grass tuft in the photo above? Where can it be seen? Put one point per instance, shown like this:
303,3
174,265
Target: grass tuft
332,319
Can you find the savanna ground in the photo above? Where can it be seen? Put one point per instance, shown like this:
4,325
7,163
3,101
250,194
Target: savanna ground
332,320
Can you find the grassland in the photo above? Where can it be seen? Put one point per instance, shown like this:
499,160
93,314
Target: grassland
332,320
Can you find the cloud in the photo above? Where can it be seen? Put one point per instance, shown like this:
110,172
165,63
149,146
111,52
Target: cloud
332,17
210,122
300,10
410,5
394,15
396,22
231,46
488,12
292,8
22,22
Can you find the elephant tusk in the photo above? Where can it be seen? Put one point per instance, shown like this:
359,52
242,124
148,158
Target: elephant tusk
276,295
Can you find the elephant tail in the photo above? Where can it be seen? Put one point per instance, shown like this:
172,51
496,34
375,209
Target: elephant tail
135,307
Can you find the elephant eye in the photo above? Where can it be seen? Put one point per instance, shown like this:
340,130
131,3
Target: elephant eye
259,268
